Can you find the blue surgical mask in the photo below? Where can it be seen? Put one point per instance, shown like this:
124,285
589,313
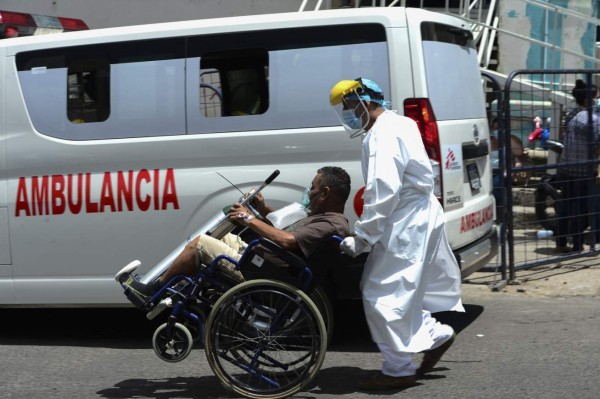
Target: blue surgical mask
351,120
305,198
598,102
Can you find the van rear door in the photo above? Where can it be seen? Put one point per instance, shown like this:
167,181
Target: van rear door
453,88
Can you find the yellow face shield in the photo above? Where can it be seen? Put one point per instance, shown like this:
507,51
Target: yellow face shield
350,109
341,89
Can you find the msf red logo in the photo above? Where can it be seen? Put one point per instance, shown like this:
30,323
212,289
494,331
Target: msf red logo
451,163
450,158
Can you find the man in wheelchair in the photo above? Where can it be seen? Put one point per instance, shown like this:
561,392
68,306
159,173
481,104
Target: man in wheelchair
327,196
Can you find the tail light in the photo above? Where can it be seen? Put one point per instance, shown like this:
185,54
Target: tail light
419,110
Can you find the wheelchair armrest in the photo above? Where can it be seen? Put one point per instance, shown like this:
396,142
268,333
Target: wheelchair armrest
297,273
292,259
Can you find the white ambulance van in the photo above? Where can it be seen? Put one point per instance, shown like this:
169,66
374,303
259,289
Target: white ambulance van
116,144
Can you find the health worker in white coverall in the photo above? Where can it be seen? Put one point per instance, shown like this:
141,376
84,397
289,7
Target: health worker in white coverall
410,271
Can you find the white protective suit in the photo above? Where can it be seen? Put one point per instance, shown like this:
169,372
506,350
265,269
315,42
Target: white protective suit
411,267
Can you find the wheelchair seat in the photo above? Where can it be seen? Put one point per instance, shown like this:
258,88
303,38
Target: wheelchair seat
301,272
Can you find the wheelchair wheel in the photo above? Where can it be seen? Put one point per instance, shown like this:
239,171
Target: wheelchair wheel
172,349
321,299
265,339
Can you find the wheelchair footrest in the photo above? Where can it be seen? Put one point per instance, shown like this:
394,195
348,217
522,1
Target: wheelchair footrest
135,298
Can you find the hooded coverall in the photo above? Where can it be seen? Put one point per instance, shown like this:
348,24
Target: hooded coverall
411,270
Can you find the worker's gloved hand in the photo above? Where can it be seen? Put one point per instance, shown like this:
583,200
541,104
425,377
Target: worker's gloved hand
354,246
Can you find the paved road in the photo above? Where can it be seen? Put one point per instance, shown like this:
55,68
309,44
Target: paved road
507,347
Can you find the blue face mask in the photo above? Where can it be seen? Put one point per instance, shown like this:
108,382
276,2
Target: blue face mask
598,102
305,198
351,120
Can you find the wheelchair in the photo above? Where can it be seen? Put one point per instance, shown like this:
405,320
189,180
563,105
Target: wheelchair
263,337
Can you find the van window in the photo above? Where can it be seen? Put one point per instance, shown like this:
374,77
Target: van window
88,91
452,71
112,90
234,83
242,81
282,76
211,99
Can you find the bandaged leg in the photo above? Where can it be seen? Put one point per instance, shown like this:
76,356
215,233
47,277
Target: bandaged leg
208,248
235,242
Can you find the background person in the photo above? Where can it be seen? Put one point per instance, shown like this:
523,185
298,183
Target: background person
580,142
411,270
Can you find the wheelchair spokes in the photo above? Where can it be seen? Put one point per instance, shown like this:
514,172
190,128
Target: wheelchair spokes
172,345
265,339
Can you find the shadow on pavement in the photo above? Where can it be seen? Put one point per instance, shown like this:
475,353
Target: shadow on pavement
128,328
180,387
329,381
351,332
344,381
125,328
459,321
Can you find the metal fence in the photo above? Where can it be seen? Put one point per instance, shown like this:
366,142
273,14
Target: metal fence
547,201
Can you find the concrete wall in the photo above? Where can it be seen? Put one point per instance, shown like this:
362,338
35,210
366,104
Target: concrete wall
563,31
107,13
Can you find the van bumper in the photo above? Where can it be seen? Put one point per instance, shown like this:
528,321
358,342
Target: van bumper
477,254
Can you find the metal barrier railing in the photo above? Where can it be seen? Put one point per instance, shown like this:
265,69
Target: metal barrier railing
494,103
534,114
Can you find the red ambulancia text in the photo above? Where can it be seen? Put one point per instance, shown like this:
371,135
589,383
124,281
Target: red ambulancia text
120,191
476,219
